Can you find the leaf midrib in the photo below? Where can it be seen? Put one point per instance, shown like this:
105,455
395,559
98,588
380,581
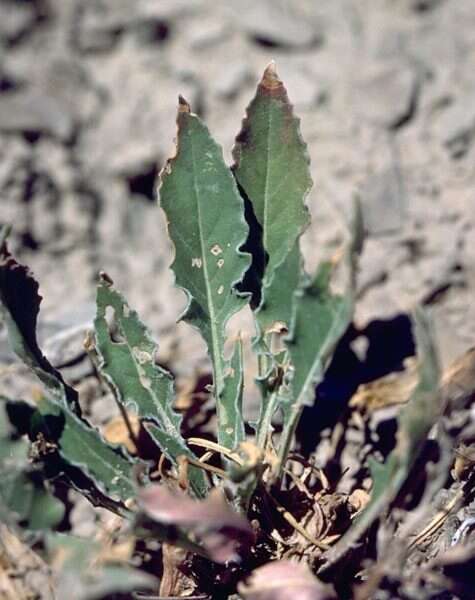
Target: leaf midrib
216,346
266,180
90,448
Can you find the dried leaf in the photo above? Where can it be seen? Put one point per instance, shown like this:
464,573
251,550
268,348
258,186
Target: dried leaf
220,530
23,573
394,388
284,580
116,431
458,383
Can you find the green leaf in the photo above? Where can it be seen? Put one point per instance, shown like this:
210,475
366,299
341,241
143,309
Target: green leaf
232,422
78,563
83,447
46,511
80,446
279,291
207,227
112,579
319,320
272,167
20,305
16,496
414,423
128,364
23,496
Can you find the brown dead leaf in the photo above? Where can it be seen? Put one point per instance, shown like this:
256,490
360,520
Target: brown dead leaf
464,461
220,530
116,431
174,583
458,382
358,499
116,543
23,574
457,386
185,391
395,388
284,580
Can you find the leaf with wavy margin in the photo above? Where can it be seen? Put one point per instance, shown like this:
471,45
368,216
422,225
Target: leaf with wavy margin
82,447
272,167
207,227
128,365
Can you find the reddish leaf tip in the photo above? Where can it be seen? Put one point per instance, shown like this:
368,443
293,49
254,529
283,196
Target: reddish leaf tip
183,105
105,278
270,79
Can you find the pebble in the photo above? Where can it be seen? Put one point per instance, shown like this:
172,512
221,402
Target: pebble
232,79
456,125
382,200
31,112
279,23
387,97
208,34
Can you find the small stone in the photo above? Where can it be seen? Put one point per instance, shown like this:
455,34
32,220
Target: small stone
276,23
37,113
82,517
232,80
305,91
103,409
98,26
62,339
424,5
456,125
383,200
388,96
17,18
170,9
207,34
437,269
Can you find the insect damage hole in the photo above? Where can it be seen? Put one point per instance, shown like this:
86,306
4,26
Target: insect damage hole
216,250
115,333
220,263
142,356
196,262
